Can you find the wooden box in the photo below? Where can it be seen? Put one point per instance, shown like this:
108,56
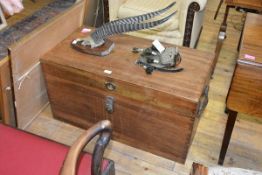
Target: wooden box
157,113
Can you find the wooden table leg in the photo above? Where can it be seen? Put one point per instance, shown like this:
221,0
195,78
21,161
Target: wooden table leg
232,115
221,37
224,23
220,40
240,39
218,8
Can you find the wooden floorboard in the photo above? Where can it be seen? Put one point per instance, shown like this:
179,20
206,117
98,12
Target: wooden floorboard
245,149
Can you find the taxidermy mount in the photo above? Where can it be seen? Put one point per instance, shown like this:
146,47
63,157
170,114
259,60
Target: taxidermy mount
98,44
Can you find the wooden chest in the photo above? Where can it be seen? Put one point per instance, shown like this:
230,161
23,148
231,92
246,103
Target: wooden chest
157,113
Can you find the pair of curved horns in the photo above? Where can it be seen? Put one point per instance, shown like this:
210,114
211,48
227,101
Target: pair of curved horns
130,24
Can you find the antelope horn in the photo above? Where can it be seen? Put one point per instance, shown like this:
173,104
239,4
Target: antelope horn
143,17
129,24
112,29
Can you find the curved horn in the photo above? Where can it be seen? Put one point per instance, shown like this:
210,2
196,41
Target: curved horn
111,29
143,17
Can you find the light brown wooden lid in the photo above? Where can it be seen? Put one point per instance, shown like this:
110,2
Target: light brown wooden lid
187,85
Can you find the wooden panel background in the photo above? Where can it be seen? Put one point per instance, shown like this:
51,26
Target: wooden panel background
27,75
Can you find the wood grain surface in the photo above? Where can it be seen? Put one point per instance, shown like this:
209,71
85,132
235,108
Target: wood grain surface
252,38
188,85
245,94
147,108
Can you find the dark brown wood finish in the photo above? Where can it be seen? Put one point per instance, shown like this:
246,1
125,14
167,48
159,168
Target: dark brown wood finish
218,8
156,113
102,128
245,94
106,10
232,116
192,9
